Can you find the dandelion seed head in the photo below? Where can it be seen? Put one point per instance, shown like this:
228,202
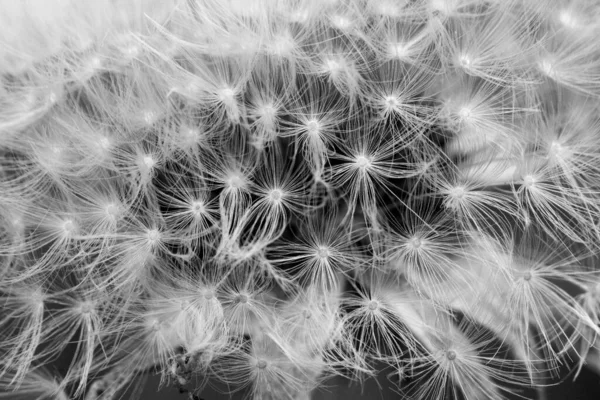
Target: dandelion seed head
212,241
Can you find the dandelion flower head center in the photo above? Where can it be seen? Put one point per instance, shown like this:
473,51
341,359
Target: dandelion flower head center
68,226
568,20
56,150
36,298
52,98
373,305
267,111
86,307
441,7
451,355
198,208
153,236
547,67
455,196
341,22
457,193
465,113
112,210
17,223
399,50
226,95
148,162
362,162
155,325
275,195
323,253
313,127
300,16
282,45
332,66
415,242
388,8
261,364
190,134
93,64
131,51
391,103
150,117
529,181
556,149
465,61
104,143
236,181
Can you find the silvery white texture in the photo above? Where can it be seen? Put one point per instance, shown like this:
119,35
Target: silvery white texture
263,194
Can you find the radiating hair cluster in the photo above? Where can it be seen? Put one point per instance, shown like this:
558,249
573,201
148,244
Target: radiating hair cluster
261,195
